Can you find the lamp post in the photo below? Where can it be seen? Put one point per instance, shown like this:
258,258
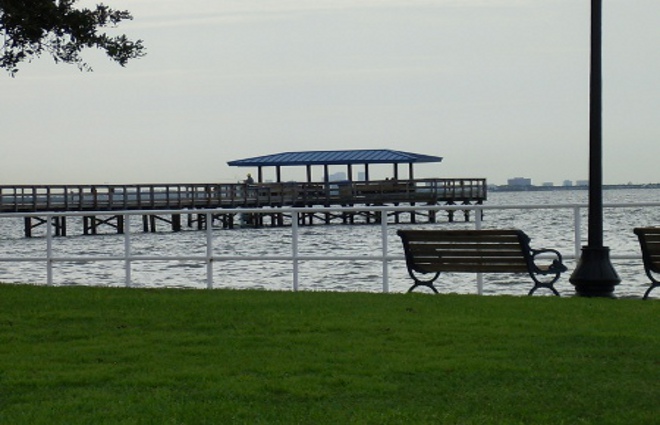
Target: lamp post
594,274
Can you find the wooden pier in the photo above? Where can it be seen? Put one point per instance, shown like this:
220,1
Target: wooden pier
187,198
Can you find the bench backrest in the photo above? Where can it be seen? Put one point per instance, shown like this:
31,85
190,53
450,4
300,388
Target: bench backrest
429,251
649,240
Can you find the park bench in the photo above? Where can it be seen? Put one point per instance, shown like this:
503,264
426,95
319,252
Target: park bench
476,251
649,240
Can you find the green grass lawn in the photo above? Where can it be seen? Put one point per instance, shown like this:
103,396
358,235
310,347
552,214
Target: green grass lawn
132,356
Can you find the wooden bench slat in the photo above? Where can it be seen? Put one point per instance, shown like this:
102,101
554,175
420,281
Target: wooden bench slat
653,248
466,245
466,252
469,245
468,260
473,268
474,258
444,237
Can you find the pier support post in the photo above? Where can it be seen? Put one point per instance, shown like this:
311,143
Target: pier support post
27,227
450,216
60,225
91,223
466,213
149,223
176,222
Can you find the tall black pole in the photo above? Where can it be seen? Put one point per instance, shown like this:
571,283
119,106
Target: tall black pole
594,274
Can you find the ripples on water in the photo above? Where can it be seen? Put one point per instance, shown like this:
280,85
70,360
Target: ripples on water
547,228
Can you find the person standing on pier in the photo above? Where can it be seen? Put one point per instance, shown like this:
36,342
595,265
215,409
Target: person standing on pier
249,179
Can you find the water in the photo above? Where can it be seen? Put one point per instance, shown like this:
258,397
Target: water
548,229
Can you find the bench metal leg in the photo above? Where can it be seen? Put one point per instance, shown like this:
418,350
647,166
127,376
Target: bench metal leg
648,291
420,282
547,283
427,284
550,287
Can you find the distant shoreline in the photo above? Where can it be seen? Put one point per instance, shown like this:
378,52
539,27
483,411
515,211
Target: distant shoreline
507,188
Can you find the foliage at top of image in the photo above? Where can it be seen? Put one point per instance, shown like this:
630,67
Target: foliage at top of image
30,28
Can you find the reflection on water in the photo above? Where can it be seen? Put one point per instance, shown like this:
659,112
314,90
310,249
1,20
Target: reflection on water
547,228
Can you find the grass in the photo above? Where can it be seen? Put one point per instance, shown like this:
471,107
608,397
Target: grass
132,356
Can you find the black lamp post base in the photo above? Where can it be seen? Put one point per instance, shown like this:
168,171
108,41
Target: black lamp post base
594,275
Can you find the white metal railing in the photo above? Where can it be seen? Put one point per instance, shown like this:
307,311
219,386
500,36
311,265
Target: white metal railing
209,258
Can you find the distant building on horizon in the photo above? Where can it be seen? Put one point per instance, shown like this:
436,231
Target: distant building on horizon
582,183
519,182
547,184
339,176
567,183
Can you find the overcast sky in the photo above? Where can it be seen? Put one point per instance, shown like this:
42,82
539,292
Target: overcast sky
498,88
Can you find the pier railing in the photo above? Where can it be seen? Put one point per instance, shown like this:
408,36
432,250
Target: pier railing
31,198
48,259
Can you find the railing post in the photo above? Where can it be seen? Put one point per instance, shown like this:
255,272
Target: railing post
49,250
294,247
127,250
478,212
477,226
577,231
383,233
209,250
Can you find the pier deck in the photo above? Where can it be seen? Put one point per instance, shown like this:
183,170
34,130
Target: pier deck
29,198
188,197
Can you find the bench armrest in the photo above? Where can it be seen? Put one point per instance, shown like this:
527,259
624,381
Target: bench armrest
553,270
556,265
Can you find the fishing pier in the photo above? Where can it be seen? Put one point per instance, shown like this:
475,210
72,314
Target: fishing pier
227,197
106,202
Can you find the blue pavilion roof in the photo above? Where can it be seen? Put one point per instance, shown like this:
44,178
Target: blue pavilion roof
343,157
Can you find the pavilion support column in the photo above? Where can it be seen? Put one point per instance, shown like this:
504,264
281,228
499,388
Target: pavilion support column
326,185
411,176
278,172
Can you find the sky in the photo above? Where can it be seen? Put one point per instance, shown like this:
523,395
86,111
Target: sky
498,88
